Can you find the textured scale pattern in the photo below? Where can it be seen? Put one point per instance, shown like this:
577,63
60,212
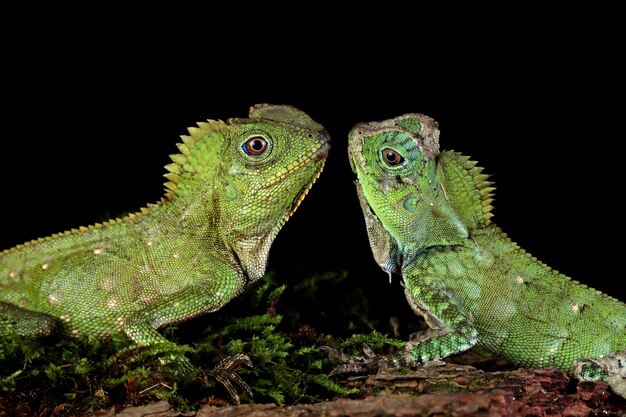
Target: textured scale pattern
189,254
428,216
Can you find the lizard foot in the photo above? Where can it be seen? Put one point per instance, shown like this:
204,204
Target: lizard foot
171,356
224,373
367,363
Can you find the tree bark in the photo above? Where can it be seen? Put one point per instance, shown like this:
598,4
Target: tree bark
451,390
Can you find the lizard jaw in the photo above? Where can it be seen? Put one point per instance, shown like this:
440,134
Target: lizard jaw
320,154
298,200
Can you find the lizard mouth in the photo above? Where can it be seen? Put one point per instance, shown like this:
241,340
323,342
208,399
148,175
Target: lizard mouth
322,151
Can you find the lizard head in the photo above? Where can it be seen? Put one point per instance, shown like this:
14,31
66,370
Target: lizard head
253,173
276,156
394,161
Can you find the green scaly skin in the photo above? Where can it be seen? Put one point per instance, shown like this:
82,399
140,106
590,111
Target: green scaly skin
428,217
189,254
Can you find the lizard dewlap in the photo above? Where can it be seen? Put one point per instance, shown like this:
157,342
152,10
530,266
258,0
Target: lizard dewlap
228,193
428,217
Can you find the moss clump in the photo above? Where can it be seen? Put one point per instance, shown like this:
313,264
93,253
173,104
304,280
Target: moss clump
274,324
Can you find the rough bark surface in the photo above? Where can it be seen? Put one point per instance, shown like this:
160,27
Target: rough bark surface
450,390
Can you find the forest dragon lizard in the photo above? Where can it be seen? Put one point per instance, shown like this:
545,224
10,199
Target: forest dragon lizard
428,217
231,188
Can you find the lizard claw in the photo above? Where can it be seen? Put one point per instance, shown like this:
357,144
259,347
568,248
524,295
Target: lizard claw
224,373
353,364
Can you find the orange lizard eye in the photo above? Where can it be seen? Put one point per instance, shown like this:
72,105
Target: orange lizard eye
255,146
392,157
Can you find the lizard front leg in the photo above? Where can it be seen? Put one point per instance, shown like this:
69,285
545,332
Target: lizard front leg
210,291
220,284
452,331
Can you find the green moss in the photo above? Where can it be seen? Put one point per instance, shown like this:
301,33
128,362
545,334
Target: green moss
274,324
374,340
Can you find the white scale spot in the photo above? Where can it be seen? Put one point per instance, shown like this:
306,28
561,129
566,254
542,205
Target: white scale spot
145,269
519,280
53,299
120,321
113,302
575,308
74,332
45,266
147,298
97,251
150,243
107,284
175,256
12,274
65,318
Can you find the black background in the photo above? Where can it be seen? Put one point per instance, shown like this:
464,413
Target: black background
542,113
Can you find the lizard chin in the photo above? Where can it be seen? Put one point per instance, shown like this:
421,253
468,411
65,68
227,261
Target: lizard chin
298,200
318,155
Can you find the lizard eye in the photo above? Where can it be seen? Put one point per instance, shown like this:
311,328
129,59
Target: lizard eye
392,157
255,146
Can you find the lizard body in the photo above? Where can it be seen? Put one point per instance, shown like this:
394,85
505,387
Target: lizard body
428,217
229,191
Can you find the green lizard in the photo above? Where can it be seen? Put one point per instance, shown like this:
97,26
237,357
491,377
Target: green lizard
231,188
428,217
